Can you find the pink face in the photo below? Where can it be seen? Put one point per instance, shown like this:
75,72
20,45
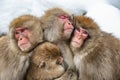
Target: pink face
79,37
21,35
68,27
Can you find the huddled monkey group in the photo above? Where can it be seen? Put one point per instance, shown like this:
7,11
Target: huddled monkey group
58,46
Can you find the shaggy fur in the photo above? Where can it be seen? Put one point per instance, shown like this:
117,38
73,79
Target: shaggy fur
43,65
13,61
99,56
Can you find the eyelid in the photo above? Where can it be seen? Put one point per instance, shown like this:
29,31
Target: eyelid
63,17
16,32
22,30
85,32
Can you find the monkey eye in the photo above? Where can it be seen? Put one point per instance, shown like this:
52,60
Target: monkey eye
22,30
85,32
16,32
63,17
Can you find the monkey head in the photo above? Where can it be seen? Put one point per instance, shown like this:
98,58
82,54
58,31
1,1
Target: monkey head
25,33
57,25
85,31
47,60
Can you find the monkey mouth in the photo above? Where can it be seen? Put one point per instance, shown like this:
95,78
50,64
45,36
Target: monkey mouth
68,30
22,44
76,44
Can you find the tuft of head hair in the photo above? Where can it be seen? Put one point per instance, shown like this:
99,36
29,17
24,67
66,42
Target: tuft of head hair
21,19
47,50
53,12
56,11
86,22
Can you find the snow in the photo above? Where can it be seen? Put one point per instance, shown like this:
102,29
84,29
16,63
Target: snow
105,12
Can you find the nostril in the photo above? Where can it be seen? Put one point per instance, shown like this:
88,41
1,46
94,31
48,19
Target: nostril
69,23
20,38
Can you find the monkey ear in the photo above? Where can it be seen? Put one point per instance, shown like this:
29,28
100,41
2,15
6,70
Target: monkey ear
42,64
59,60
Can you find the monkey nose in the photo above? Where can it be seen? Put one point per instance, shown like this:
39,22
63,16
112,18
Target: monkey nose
20,38
69,23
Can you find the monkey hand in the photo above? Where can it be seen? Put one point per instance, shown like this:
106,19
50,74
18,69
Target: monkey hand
70,74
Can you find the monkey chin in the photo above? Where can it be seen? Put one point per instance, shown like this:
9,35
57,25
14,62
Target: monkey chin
76,44
68,30
25,47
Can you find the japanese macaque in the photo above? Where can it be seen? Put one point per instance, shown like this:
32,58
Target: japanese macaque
46,63
16,46
96,53
58,29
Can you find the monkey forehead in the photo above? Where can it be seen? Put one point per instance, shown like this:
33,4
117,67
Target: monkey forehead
85,22
22,19
49,53
48,49
56,11
53,13
19,28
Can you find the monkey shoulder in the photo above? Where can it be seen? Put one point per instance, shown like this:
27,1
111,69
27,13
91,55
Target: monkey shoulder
4,42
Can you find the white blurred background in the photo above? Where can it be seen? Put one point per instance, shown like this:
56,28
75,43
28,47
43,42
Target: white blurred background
105,12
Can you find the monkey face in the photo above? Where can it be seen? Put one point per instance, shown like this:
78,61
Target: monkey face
67,25
57,25
23,33
79,37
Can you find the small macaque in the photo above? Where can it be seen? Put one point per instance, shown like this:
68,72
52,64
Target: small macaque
16,47
46,63
58,29
96,53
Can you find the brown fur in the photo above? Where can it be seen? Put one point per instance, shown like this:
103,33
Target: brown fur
53,32
30,22
14,62
2,34
99,57
43,64
52,25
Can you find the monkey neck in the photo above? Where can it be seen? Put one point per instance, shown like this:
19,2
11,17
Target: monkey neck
62,44
75,50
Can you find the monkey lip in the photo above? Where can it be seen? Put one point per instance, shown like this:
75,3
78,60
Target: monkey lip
68,29
76,44
24,46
